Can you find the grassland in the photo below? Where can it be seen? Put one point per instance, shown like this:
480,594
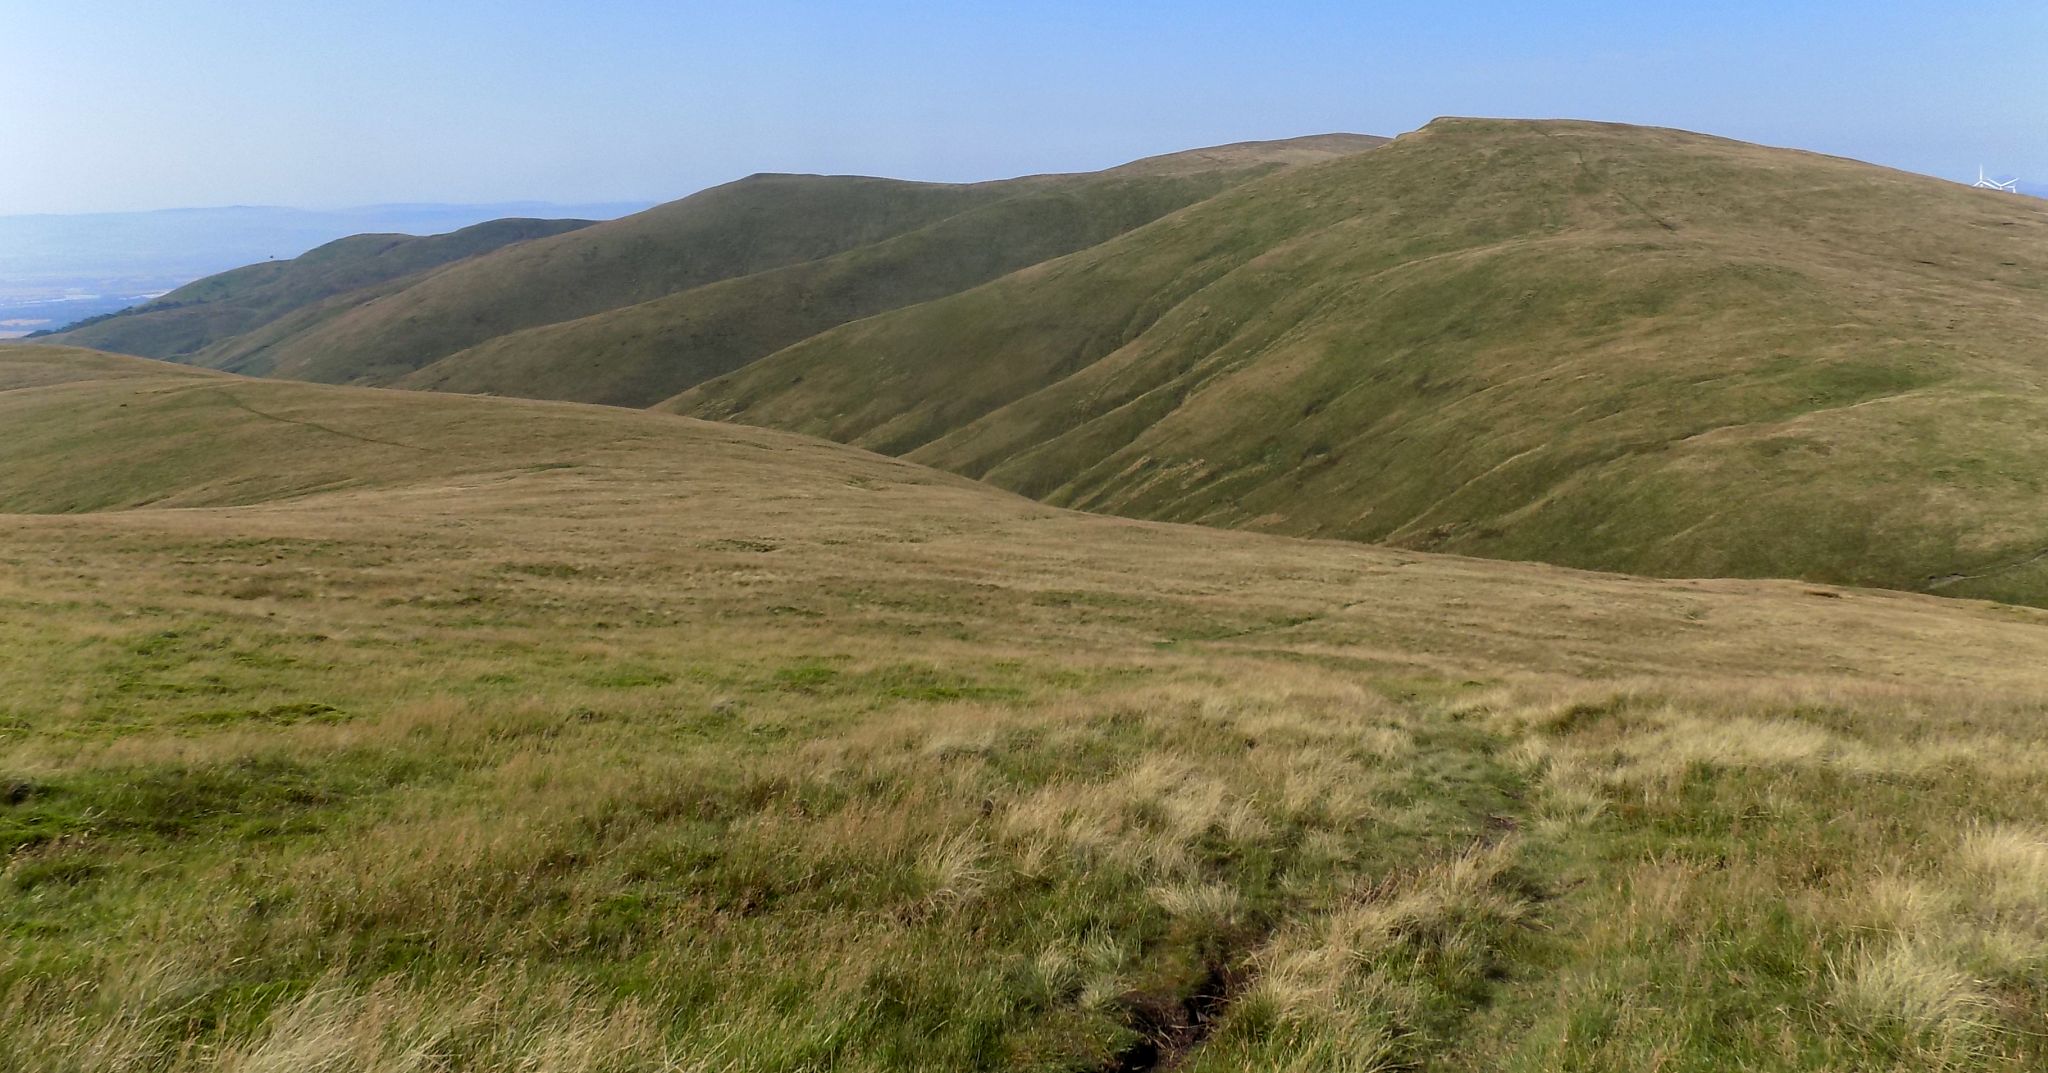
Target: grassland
644,353
1599,346
1608,347
413,732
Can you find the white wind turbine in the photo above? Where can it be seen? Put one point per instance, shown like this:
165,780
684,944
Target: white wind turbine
1985,182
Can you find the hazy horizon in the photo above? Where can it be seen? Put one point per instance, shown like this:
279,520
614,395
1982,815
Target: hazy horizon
221,104
623,205
59,268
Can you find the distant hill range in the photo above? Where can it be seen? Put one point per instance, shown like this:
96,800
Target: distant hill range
170,242
1614,347
353,269
57,269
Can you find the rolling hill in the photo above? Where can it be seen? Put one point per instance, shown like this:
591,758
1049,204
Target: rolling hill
1595,345
644,353
353,729
1612,347
626,312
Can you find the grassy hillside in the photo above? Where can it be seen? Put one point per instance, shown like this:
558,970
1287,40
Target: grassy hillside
93,432
445,733
755,224
1594,345
642,354
633,310
201,314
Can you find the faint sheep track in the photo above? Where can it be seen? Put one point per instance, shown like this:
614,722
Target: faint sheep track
1595,175
239,404
1942,581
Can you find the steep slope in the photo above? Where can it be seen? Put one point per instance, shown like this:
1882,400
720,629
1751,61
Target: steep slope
201,314
1602,346
755,224
642,354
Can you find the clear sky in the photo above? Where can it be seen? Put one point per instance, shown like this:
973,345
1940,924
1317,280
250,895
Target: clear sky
115,105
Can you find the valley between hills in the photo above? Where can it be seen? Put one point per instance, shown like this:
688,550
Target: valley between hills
1267,607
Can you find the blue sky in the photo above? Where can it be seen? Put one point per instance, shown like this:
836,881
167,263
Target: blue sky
114,105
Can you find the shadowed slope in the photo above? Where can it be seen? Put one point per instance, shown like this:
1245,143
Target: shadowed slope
1602,346
642,354
757,223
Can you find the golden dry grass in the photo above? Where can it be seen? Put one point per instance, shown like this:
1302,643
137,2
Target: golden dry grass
569,739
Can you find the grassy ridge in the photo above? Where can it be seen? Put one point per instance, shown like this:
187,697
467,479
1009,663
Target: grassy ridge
642,354
634,311
199,315
755,224
575,739
1601,346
